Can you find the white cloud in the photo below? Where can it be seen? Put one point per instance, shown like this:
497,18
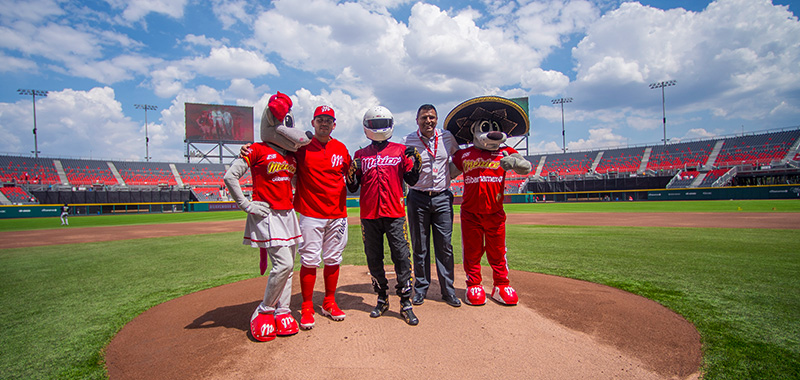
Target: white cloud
227,63
598,138
73,123
14,64
230,12
136,10
220,63
545,25
733,50
204,41
32,11
545,82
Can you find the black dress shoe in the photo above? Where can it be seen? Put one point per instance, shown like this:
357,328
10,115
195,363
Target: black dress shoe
452,301
418,299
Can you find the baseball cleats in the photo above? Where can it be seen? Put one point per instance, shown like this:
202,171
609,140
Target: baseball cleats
262,326
383,305
285,325
408,313
476,296
307,317
332,310
505,295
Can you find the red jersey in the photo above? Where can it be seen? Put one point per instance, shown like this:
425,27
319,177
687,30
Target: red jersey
272,175
484,179
321,191
382,181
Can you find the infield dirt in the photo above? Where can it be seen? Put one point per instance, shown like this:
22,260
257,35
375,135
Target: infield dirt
562,328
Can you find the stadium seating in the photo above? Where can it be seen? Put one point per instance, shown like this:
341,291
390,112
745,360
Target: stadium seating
712,177
208,194
626,160
17,195
753,150
569,163
684,179
201,174
756,150
680,156
28,170
88,172
146,173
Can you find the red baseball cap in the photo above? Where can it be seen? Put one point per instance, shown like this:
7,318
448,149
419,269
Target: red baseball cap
324,110
279,104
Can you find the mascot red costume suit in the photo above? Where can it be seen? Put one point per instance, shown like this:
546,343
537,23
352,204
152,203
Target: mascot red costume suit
486,122
272,225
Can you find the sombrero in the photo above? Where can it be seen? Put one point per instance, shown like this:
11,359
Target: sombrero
509,115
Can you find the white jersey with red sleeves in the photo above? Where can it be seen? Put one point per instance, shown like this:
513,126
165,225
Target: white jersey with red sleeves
272,175
382,181
321,191
484,179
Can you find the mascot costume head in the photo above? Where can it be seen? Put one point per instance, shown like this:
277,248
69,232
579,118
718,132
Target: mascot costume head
278,127
486,122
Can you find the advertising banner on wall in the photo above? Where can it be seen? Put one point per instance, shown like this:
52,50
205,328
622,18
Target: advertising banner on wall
214,123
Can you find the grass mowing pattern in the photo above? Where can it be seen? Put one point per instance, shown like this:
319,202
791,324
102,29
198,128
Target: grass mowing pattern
61,305
739,288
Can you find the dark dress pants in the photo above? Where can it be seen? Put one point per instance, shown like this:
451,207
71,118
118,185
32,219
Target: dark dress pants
431,217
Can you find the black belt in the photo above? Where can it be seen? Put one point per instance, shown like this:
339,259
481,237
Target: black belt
430,193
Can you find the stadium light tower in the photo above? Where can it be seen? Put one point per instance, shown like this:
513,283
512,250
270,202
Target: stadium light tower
661,85
563,133
34,94
146,107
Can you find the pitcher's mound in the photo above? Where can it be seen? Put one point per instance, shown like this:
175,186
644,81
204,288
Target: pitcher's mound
561,329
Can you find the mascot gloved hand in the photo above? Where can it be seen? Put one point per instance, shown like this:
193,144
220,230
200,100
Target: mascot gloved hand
515,162
272,224
485,123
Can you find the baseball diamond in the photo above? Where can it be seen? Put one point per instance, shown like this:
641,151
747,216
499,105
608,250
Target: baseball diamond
562,328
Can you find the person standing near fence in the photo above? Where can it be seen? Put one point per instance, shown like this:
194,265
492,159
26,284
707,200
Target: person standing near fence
64,215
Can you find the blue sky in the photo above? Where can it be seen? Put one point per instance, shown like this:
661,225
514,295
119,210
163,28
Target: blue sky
736,63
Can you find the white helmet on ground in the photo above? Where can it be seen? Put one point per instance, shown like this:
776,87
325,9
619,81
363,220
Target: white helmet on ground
378,123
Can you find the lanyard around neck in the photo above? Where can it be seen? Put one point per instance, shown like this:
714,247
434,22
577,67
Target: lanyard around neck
428,148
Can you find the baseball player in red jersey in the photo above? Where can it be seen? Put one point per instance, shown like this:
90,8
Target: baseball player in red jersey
272,224
321,201
380,170
483,219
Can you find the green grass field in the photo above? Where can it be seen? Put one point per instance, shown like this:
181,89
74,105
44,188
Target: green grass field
61,305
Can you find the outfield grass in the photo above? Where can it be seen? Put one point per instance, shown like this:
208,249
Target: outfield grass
61,305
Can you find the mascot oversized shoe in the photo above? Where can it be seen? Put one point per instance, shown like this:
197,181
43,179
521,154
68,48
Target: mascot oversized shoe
476,296
262,326
285,325
505,294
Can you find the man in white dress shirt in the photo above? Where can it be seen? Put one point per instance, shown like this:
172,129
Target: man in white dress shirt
430,206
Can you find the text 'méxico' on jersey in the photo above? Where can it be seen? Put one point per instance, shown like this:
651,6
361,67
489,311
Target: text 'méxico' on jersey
272,175
484,179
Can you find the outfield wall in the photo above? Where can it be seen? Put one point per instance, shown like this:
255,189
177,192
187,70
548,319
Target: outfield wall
711,193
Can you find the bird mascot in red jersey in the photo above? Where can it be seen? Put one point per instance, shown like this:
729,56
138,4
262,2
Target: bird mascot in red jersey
272,224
